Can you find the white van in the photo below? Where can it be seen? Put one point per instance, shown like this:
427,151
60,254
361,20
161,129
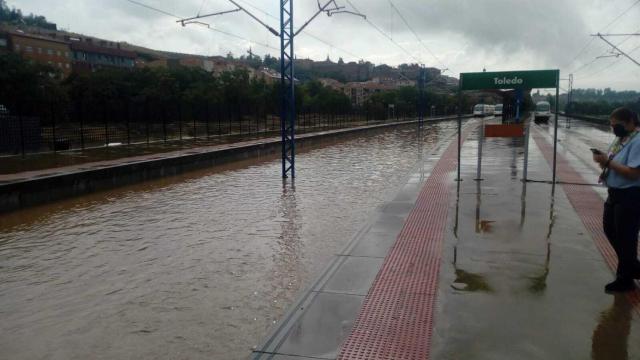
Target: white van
483,110
543,112
498,110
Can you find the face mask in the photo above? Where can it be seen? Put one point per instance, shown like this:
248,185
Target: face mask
620,131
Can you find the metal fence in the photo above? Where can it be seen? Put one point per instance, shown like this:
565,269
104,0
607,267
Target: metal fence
37,128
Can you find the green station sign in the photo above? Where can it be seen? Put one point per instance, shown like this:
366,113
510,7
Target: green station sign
531,79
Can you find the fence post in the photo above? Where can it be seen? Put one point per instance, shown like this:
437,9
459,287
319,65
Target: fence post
239,115
164,123
207,117
81,118
193,114
256,114
366,114
21,128
53,127
219,117
228,115
127,110
179,120
106,124
146,117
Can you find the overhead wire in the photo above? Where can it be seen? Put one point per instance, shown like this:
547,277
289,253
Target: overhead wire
201,6
621,15
603,29
404,20
305,32
610,65
154,9
385,34
210,28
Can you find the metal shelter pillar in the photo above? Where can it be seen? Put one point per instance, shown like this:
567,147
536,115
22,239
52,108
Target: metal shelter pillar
459,109
421,101
287,83
519,97
555,135
569,101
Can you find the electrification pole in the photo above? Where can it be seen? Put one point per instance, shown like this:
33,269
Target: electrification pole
569,100
422,79
288,104
287,68
287,71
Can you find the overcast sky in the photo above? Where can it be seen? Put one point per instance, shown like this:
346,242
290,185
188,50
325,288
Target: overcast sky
464,35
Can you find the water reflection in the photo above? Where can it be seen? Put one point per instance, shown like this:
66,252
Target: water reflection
482,226
288,269
538,284
472,282
523,205
611,336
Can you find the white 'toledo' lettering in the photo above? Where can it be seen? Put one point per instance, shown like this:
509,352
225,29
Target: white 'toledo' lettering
504,81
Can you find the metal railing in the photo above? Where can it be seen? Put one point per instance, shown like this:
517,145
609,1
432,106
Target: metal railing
40,128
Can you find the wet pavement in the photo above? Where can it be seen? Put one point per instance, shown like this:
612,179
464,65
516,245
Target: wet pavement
197,266
520,275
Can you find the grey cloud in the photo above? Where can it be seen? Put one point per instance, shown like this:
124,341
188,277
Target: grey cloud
465,34
547,29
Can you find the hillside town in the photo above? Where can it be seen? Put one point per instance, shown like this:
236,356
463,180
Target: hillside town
77,53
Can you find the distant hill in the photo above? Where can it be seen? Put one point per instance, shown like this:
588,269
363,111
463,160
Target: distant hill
358,71
15,16
606,94
306,69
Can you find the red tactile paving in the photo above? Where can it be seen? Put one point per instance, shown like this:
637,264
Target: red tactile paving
396,318
587,203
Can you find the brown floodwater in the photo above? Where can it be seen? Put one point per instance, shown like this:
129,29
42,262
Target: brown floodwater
198,266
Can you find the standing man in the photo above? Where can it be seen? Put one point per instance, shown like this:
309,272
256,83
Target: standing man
621,174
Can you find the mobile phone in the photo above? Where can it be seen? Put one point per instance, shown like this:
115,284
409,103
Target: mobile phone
596,151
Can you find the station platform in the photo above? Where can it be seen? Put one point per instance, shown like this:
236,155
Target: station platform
495,268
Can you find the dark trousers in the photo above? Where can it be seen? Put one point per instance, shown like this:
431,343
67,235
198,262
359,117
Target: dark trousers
621,222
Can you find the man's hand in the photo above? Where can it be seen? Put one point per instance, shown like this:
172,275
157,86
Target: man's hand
600,159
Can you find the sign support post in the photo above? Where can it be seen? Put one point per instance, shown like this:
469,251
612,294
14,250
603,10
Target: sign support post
525,166
459,128
480,141
555,135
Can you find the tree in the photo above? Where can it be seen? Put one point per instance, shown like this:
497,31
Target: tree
14,16
271,62
27,83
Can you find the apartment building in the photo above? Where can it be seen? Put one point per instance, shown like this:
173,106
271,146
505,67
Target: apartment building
42,50
89,57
